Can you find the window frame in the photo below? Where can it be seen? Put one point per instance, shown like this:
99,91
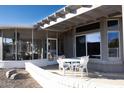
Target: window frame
116,30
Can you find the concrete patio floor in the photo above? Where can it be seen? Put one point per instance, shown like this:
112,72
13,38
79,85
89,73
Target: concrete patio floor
100,78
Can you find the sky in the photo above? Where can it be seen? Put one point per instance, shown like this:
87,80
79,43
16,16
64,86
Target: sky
25,14
94,37
112,35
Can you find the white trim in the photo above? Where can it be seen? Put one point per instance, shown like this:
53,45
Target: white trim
1,46
52,38
56,45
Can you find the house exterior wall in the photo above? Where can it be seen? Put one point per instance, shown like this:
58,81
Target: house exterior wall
122,34
68,43
105,63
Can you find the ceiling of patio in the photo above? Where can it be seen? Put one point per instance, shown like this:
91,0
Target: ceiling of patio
92,14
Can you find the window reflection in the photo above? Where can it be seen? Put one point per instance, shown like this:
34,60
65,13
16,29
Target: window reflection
81,46
93,45
113,44
88,44
113,38
8,45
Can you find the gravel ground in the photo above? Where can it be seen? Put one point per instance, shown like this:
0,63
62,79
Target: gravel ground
27,82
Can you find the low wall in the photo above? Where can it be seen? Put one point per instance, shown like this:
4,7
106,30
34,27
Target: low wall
21,64
110,66
50,80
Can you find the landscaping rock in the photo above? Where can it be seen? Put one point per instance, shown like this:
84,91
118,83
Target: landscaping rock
17,76
10,72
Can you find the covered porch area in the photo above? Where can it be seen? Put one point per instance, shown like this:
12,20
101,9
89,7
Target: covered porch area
94,31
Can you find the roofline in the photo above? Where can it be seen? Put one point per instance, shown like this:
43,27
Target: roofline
61,13
16,26
74,10
61,9
51,14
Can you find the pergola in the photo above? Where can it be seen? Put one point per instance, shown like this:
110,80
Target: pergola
76,15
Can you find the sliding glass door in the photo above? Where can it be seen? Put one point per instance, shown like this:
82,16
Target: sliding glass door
81,46
93,45
88,44
52,48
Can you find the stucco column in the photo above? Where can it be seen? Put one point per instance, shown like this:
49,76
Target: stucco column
74,42
16,45
32,44
1,45
47,44
103,31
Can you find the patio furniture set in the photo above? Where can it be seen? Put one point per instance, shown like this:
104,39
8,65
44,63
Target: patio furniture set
74,64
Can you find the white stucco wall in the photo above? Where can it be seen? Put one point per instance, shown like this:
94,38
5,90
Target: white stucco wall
50,80
21,64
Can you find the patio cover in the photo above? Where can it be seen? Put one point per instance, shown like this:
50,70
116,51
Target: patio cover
76,15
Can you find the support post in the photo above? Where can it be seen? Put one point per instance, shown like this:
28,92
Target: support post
1,45
74,42
16,45
104,45
32,44
47,44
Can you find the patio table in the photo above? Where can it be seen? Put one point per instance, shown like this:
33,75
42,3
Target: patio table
71,60
74,62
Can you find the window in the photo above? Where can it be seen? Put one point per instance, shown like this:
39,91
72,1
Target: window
113,44
88,27
93,45
113,38
88,44
8,45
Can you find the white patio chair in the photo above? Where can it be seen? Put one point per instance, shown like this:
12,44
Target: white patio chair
83,64
62,65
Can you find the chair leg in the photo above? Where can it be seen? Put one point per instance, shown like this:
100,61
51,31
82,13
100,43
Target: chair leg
81,72
87,71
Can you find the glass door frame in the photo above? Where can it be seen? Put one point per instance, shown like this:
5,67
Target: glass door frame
56,45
